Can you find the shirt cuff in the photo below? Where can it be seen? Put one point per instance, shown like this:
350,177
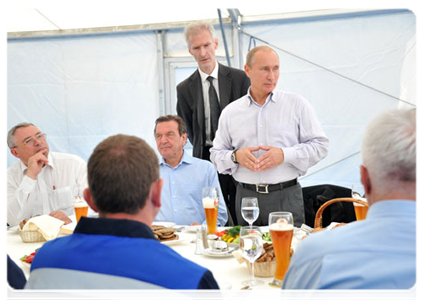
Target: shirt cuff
27,184
289,155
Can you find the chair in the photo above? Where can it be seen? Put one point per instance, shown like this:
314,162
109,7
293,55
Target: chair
315,196
318,222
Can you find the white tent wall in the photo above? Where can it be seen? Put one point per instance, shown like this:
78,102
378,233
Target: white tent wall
350,68
82,89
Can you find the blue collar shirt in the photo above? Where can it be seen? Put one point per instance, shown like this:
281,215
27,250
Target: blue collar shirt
182,191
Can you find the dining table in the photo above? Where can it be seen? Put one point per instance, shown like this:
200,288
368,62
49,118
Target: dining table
228,271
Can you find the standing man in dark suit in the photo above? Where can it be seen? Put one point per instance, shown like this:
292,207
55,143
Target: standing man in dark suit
203,95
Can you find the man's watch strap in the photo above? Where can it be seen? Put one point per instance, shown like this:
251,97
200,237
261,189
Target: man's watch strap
233,157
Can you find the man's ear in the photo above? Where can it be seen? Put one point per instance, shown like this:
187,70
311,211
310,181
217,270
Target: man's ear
216,43
247,70
156,192
365,180
90,200
14,153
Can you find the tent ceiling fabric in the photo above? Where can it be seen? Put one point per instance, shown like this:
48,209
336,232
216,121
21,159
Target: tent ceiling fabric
48,18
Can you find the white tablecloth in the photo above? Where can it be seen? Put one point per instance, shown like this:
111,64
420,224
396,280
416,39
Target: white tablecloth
226,270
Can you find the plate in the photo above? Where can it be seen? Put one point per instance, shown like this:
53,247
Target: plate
26,265
192,228
208,252
224,286
165,224
181,239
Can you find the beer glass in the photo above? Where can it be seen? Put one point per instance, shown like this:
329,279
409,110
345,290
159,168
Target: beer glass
281,228
357,192
210,197
81,208
251,246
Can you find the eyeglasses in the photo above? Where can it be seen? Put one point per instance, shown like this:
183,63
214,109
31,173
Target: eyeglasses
41,137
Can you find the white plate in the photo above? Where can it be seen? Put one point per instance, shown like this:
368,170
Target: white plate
26,265
165,224
192,228
181,239
224,286
208,252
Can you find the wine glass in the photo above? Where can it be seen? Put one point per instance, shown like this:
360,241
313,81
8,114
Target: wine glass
357,192
250,209
281,228
251,246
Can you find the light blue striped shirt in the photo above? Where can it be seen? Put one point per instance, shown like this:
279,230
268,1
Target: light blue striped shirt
182,191
285,120
376,253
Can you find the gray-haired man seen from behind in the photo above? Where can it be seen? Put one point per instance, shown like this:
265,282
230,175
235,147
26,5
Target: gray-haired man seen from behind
118,250
378,252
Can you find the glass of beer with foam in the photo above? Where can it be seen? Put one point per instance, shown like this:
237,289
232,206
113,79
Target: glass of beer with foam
210,197
281,228
81,208
360,210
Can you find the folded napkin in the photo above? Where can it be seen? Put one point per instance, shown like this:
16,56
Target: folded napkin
48,226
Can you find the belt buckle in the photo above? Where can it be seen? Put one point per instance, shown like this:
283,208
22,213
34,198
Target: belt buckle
260,187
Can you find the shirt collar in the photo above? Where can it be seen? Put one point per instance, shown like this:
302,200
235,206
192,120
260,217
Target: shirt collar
115,227
213,74
251,100
186,158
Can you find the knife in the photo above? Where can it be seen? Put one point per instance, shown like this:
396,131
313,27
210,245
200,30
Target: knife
241,293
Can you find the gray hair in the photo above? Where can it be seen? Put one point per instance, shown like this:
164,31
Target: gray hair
10,136
389,148
197,27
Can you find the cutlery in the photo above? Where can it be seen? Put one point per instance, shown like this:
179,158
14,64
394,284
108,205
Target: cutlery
241,293
244,294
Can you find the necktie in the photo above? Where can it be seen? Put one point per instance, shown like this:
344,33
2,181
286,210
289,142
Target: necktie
214,108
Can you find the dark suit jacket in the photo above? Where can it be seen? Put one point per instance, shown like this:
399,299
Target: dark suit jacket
233,84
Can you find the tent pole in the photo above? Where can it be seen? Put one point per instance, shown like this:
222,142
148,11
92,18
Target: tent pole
224,37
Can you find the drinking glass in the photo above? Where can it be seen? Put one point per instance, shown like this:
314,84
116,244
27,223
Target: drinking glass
81,208
281,228
357,192
210,196
251,246
250,209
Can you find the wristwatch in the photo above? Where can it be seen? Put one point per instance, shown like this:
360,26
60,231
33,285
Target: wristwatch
233,157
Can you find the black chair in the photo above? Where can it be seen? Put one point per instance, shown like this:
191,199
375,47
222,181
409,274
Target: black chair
315,196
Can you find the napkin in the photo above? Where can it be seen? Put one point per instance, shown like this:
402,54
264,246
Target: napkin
48,226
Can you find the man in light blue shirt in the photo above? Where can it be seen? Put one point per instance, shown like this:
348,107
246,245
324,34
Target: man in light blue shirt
184,176
267,139
380,251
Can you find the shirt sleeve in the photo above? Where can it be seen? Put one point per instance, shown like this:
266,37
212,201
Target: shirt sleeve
208,288
220,153
19,206
313,144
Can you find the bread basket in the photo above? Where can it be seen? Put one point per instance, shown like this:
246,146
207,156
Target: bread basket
319,220
263,269
31,236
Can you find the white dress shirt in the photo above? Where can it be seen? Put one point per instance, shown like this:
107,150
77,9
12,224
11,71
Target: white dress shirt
285,120
206,85
54,188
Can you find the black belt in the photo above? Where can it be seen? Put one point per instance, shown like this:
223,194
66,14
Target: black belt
268,188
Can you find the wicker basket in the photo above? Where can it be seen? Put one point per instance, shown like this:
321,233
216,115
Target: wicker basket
31,236
318,219
263,269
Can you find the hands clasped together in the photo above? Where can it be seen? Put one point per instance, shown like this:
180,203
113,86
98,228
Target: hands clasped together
271,158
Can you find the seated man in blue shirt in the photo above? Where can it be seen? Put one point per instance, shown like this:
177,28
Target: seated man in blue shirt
184,176
380,251
118,250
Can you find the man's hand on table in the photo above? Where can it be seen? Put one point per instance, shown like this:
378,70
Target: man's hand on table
58,214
